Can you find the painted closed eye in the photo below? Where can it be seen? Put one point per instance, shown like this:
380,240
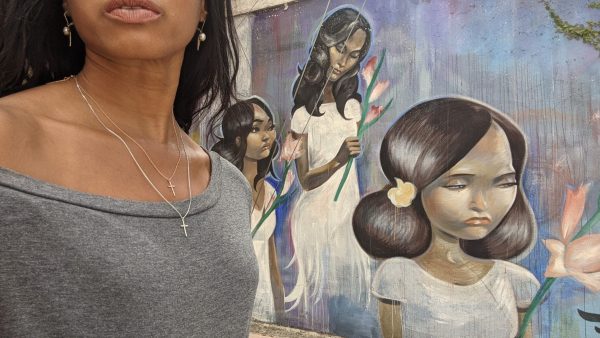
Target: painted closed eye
455,186
507,184
340,48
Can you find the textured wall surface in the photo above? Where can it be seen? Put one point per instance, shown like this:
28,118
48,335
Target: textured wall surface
505,53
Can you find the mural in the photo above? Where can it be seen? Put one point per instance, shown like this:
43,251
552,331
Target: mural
445,229
249,143
456,198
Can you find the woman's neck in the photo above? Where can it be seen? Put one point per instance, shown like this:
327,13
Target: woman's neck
138,95
445,248
446,261
328,93
250,171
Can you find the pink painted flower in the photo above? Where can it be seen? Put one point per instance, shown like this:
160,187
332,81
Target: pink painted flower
572,212
291,150
579,258
369,69
379,89
367,74
373,113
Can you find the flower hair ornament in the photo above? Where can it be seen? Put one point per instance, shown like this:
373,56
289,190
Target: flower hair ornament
403,194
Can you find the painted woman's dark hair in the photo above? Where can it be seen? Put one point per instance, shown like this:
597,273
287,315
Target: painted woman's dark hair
237,122
423,144
336,29
34,51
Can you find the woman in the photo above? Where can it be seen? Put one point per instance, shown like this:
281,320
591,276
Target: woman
449,223
249,143
103,232
331,265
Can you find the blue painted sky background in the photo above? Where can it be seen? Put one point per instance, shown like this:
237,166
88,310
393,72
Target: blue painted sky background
505,53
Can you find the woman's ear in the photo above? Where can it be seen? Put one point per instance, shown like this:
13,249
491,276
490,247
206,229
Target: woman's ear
238,141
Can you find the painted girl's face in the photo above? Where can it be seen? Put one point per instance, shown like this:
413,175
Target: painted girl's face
471,199
261,137
137,29
342,57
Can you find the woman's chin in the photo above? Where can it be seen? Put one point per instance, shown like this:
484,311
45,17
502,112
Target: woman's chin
259,156
475,233
265,153
136,48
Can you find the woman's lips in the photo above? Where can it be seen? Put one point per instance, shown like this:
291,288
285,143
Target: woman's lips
133,11
478,221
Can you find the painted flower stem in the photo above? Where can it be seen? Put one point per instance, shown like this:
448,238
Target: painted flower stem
279,198
539,296
362,125
362,129
344,178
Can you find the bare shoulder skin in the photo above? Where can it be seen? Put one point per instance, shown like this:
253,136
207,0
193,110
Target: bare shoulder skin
49,133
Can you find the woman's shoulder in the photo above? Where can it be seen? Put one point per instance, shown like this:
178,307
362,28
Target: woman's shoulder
269,186
300,113
300,119
394,277
18,124
394,268
35,121
516,273
35,106
523,282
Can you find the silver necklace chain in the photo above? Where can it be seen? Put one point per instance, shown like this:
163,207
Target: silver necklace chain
142,148
183,224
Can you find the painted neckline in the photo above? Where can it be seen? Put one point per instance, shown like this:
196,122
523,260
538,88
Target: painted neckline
479,282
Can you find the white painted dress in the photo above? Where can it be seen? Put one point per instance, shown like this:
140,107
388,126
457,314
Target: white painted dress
264,304
433,308
329,260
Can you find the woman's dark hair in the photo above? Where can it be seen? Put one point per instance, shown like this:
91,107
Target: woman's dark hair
237,122
423,144
34,51
336,29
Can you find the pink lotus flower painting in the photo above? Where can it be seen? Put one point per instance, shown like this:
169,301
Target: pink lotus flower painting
579,258
576,254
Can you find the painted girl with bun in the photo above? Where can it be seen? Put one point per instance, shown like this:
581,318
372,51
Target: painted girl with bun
452,216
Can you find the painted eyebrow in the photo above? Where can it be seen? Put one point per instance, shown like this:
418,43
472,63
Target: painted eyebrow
460,175
258,120
342,45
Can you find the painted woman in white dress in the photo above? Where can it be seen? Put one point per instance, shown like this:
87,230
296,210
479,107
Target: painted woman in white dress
326,111
249,143
448,223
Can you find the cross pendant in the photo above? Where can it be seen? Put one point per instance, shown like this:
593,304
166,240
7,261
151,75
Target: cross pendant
184,226
172,186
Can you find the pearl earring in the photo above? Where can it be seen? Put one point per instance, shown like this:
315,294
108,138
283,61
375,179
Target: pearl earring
67,28
201,36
